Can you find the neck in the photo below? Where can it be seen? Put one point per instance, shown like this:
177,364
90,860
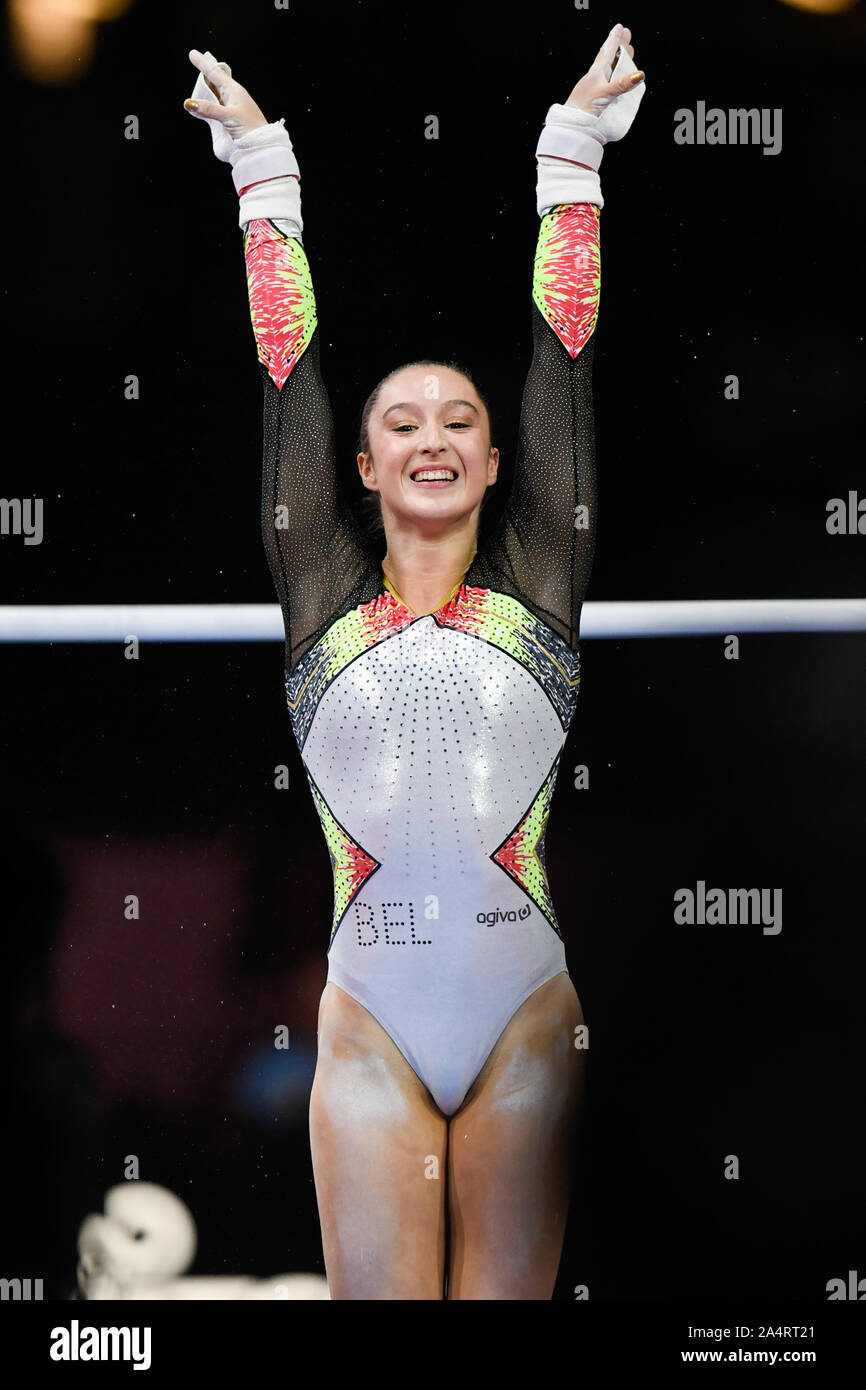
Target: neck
425,569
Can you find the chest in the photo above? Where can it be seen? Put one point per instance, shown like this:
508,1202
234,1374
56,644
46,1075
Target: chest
481,678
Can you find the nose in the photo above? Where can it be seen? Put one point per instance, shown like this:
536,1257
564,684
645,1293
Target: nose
433,443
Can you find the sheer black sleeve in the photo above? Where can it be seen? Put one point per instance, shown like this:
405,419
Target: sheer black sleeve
317,552
542,549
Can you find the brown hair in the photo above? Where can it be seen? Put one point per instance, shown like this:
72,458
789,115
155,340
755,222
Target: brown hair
371,502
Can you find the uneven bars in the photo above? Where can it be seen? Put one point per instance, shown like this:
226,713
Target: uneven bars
262,622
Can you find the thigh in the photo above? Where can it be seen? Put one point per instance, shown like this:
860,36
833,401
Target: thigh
379,1147
511,1151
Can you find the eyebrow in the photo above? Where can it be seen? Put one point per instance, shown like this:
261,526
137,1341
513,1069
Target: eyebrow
407,405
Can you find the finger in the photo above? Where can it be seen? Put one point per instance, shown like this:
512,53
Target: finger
627,43
607,52
216,75
620,85
205,110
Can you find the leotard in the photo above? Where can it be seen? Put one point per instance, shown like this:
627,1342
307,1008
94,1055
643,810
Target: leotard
431,743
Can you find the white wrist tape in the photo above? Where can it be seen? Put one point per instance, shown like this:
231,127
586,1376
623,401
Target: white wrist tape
559,182
570,137
570,133
266,153
279,199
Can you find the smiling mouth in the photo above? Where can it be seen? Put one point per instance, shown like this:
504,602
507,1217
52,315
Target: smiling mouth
433,477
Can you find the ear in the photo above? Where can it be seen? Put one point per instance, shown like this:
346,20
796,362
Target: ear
492,465
368,472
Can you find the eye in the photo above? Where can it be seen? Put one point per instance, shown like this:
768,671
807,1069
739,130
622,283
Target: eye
464,425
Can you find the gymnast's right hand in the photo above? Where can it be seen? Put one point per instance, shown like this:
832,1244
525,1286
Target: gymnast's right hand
233,115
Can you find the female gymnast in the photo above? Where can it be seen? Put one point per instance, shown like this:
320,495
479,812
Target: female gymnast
430,692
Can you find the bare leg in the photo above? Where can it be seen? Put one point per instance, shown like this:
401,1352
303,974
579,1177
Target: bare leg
511,1150
379,1153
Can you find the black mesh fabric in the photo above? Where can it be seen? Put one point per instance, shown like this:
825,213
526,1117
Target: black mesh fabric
537,554
323,563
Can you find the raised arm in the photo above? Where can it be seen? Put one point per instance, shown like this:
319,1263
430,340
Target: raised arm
315,548
316,551
545,542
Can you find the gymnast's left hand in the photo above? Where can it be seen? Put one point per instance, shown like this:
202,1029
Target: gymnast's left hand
613,86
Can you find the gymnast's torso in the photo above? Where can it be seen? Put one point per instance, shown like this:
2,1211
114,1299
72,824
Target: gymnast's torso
431,745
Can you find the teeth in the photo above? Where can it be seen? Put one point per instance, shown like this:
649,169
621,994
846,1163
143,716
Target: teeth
432,474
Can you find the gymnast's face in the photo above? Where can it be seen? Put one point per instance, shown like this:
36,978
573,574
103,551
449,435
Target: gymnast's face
428,418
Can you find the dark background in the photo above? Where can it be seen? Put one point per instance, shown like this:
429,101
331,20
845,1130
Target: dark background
155,776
